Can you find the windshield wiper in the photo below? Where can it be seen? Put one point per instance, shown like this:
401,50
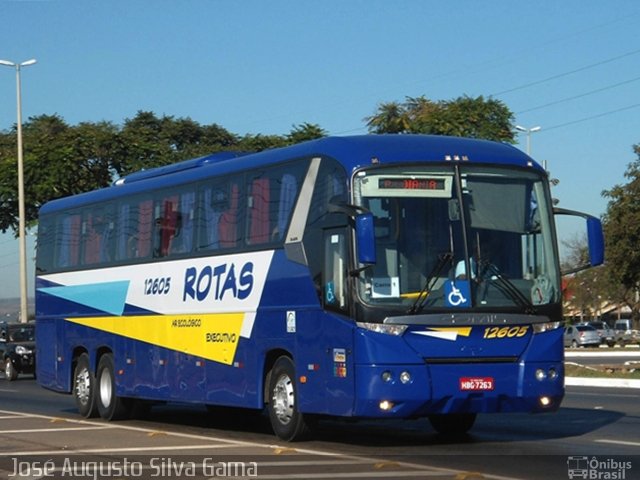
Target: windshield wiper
432,278
507,287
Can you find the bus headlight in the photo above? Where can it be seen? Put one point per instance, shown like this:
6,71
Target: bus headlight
545,327
383,328
545,401
405,377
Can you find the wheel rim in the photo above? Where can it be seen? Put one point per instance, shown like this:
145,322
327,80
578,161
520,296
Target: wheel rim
283,399
8,368
83,387
105,389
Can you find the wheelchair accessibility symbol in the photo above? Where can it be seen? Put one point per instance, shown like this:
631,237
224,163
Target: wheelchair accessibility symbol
457,294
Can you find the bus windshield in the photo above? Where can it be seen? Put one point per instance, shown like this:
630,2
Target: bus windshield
458,237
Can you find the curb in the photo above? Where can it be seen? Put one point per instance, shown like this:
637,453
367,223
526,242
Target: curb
597,353
601,382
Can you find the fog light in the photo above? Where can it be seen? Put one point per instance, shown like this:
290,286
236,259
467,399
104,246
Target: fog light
405,377
552,374
385,405
386,376
540,374
545,401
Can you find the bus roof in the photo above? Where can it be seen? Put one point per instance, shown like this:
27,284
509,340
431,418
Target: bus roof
353,152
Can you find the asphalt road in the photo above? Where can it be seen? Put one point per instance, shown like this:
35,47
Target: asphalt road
602,423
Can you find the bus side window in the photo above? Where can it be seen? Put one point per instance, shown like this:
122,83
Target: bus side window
135,227
258,211
335,269
46,244
68,241
184,241
230,219
167,225
97,229
145,228
174,224
288,194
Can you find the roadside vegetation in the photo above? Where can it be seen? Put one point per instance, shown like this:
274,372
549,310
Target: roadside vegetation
603,371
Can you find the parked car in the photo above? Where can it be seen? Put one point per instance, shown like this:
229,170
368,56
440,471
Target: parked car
606,333
17,347
624,332
581,336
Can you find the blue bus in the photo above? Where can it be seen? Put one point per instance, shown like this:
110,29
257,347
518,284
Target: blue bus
391,276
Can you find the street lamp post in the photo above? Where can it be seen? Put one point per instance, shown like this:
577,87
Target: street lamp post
24,313
528,131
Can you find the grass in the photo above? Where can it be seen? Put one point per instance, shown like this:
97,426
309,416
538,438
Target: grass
601,371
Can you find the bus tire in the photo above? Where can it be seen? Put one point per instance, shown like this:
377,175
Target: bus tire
453,423
286,420
84,387
10,371
110,406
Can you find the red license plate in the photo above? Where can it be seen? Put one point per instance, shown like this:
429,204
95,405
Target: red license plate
476,383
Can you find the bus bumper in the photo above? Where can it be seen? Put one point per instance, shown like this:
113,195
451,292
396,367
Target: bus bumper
410,391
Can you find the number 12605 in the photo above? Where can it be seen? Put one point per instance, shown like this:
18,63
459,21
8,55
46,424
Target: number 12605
505,332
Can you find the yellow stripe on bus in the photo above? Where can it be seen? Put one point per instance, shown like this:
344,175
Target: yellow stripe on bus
462,331
210,336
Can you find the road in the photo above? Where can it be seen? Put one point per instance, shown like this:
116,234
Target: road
36,424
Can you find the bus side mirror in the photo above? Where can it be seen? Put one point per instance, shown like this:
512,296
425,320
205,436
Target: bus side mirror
595,237
365,238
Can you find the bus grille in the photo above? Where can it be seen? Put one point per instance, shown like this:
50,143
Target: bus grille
459,360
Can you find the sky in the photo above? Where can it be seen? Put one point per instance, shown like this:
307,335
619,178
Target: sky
571,67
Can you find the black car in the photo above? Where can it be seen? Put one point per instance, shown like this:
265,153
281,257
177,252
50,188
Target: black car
18,349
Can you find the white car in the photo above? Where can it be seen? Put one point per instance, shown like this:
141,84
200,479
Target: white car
581,336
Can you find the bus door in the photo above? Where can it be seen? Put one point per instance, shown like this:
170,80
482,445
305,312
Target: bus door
337,329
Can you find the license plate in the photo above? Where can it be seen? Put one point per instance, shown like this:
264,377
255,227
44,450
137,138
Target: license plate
476,383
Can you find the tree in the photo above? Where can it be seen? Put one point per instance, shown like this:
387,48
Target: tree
59,160
305,132
585,293
62,160
622,233
464,116
147,141
392,117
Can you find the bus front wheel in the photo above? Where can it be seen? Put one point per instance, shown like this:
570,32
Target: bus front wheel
287,422
453,423
110,405
83,387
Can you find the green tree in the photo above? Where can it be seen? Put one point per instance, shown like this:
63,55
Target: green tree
622,233
259,142
147,141
392,117
59,160
304,132
464,116
585,293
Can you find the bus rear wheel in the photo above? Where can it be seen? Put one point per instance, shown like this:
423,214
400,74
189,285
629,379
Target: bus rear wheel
110,406
83,387
286,420
453,423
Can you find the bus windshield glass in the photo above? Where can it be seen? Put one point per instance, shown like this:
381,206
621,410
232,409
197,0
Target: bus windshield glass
435,224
